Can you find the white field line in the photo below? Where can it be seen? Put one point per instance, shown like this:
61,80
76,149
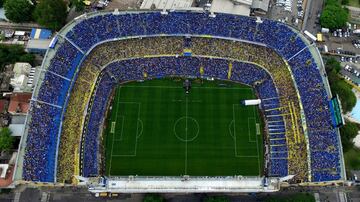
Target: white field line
113,139
249,131
174,87
186,132
257,145
137,128
234,129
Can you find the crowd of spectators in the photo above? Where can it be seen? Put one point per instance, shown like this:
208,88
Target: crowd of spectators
39,159
286,135
93,30
325,159
66,60
46,110
85,85
73,120
94,125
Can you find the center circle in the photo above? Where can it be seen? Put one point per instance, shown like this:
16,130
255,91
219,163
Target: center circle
186,129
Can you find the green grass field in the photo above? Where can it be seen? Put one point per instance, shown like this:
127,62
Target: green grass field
156,129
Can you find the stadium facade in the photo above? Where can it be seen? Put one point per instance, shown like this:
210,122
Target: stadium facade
62,135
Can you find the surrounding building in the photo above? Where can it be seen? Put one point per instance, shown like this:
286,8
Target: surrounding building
166,4
38,46
39,41
40,34
5,77
24,77
17,129
19,103
17,125
260,6
239,7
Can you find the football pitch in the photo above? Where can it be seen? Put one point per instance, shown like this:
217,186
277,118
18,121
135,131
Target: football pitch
155,129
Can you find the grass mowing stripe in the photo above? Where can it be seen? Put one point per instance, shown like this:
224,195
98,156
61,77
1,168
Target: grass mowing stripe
117,96
209,112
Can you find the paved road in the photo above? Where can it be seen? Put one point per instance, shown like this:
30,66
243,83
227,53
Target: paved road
51,194
314,7
22,26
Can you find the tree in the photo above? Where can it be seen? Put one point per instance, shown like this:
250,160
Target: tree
79,5
217,199
333,15
6,140
332,65
18,10
51,13
344,2
348,132
1,3
153,198
339,86
344,90
10,54
29,58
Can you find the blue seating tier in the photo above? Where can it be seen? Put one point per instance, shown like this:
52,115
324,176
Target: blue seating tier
45,123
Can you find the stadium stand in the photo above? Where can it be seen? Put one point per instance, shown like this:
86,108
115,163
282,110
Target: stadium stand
80,80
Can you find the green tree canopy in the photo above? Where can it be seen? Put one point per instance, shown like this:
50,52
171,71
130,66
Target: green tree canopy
333,15
153,198
78,4
348,132
344,2
29,58
217,199
348,100
6,140
10,54
344,90
339,86
51,13
18,10
332,65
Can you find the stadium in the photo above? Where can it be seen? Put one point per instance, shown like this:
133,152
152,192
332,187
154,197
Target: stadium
151,102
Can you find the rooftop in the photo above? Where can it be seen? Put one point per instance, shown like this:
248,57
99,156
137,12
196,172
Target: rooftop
19,103
261,4
17,129
38,44
40,34
228,6
166,4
